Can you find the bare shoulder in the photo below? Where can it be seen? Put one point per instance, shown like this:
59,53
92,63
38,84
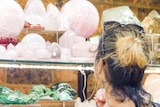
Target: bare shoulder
155,104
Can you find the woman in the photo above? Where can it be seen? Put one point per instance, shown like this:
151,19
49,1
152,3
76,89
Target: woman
121,60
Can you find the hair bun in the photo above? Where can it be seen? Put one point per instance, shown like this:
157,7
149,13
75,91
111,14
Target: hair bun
130,51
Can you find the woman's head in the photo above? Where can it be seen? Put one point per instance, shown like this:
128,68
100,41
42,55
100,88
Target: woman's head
124,54
124,50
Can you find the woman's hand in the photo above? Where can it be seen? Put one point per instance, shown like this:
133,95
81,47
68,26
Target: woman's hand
100,97
100,102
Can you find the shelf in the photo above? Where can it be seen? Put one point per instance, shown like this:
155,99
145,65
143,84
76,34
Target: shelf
54,64
153,68
48,62
57,33
62,64
131,4
44,103
41,31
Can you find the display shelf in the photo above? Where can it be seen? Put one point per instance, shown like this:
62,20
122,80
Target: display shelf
42,31
153,68
44,103
21,105
131,4
48,64
56,33
87,65
52,103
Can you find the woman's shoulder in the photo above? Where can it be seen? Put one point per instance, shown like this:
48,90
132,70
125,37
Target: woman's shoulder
155,104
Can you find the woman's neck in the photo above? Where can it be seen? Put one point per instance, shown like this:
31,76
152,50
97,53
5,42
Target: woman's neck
113,101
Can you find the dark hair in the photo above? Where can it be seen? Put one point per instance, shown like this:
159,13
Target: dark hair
125,54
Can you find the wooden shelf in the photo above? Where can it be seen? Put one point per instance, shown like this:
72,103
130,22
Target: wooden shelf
41,31
136,5
44,103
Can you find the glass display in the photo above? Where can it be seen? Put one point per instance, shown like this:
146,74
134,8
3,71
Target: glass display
154,44
78,63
